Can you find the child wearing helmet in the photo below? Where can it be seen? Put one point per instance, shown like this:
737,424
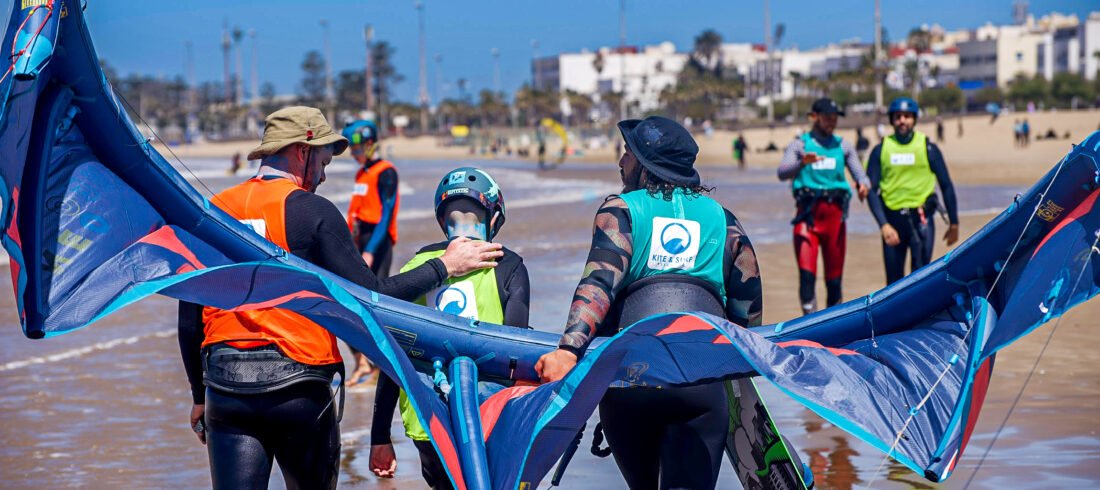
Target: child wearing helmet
468,205
372,214
904,169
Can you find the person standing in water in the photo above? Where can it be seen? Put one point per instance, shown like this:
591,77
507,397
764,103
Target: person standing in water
468,203
815,163
260,379
372,213
904,170
672,436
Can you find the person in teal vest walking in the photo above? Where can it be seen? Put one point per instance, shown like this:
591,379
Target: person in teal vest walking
468,203
904,170
661,246
815,163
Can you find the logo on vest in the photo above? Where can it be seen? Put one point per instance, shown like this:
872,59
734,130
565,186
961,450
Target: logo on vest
903,159
674,244
824,164
457,299
258,225
360,189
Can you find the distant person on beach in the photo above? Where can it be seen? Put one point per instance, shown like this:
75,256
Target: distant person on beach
260,379
904,170
372,213
862,144
661,246
739,149
1025,132
815,164
234,164
960,125
470,204
939,130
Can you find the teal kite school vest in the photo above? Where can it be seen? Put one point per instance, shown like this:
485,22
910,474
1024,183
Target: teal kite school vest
686,235
826,174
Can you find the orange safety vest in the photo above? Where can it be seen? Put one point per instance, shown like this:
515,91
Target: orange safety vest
261,204
366,203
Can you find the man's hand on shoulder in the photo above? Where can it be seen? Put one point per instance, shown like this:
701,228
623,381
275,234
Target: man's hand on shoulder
464,256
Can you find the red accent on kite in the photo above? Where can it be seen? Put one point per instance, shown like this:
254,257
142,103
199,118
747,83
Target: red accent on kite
1079,211
977,398
685,324
13,232
271,303
442,439
490,410
721,339
165,237
814,345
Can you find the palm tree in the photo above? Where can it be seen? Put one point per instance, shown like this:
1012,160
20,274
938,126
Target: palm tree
707,47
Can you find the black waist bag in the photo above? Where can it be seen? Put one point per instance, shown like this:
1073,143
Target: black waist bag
258,370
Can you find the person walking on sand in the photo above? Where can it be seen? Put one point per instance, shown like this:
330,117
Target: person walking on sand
260,379
372,213
661,246
815,164
904,170
468,203
739,149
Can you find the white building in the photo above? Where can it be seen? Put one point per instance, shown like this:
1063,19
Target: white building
791,65
640,74
1053,44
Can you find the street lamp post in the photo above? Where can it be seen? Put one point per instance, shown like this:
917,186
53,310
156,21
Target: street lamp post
368,36
425,100
496,69
622,59
330,91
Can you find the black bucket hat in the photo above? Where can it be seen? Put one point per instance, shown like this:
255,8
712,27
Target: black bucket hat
663,147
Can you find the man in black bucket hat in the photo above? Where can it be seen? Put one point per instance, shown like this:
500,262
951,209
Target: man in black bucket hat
661,246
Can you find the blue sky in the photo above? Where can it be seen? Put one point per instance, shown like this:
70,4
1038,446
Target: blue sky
148,36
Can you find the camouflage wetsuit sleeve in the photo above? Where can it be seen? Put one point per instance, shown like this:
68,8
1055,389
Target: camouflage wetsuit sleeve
609,259
744,289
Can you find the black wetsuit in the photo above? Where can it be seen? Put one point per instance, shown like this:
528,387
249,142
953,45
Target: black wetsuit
660,437
916,227
295,425
514,288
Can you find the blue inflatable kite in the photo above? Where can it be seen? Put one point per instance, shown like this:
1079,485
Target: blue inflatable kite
95,219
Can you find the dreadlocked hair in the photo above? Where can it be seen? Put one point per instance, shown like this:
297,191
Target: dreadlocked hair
655,186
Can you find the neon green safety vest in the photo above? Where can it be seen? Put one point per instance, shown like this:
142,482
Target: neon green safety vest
907,179
686,235
826,174
474,296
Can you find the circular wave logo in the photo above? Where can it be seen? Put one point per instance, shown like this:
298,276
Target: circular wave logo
675,238
451,300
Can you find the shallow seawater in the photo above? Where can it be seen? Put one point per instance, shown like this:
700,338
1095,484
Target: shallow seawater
107,406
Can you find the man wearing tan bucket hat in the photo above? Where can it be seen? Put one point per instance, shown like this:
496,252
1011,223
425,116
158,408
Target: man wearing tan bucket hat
289,415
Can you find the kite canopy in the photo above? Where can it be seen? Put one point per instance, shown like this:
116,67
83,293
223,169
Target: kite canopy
94,219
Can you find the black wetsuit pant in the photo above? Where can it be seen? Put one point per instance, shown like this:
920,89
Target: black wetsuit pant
295,426
669,437
431,467
917,232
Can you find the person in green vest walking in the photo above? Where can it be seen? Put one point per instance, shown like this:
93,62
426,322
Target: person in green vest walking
661,246
468,203
815,163
904,169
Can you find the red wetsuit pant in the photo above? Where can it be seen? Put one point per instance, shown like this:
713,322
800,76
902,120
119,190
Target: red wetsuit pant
824,228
